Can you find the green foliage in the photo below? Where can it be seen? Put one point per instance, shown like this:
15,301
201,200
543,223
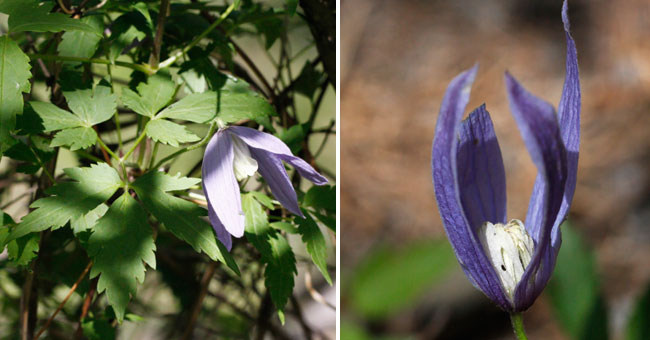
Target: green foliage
76,138
152,96
121,241
276,253
376,291
14,80
32,15
315,242
198,108
638,327
82,43
70,200
182,218
166,132
574,289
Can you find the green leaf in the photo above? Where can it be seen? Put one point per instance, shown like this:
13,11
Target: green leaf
292,5
14,79
55,118
293,137
182,218
152,96
240,105
265,200
279,272
93,107
77,138
166,132
82,44
574,289
376,291
23,249
98,329
35,16
275,250
315,242
309,80
86,222
70,200
126,29
196,107
284,226
121,242
638,327
321,197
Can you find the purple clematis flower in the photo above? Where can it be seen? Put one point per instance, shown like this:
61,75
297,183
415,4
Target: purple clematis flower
510,262
235,153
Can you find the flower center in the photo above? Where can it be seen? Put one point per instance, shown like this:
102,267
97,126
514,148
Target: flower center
244,165
510,249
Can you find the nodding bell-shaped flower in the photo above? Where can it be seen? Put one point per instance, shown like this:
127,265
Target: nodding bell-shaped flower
510,262
235,153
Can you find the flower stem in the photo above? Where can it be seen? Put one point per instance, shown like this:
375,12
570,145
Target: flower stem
518,326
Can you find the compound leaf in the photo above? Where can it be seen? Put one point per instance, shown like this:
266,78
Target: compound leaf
182,218
55,118
93,107
76,138
166,132
152,96
121,242
14,79
92,186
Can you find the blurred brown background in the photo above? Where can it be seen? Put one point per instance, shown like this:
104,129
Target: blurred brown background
397,58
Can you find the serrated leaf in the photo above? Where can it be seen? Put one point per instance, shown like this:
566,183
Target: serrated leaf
196,107
92,186
321,197
93,107
315,243
279,272
35,16
86,222
275,250
14,79
121,242
76,138
55,118
166,132
23,249
152,96
235,106
81,43
182,218
284,226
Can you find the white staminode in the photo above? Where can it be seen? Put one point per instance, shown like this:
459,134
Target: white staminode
510,249
243,164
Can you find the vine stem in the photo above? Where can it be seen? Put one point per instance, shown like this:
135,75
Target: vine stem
518,326
58,309
198,39
189,148
138,67
140,138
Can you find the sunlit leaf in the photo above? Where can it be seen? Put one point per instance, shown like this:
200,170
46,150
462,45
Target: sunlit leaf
315,242
166,132
14,79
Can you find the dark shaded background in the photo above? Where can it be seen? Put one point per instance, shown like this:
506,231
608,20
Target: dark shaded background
397,58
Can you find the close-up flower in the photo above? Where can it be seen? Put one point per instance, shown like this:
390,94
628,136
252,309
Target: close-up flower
235,153
509,261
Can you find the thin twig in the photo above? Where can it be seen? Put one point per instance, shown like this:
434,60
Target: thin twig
58,309
66,10
157,41
205,281
98,6
315,294
86,307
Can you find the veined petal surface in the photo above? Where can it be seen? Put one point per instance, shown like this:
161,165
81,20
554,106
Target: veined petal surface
463,238
481,176
219,183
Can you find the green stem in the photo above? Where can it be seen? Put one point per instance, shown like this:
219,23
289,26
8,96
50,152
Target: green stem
107,149
189,148
135,145
117,115
138,67
153,155
518,326
222,17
